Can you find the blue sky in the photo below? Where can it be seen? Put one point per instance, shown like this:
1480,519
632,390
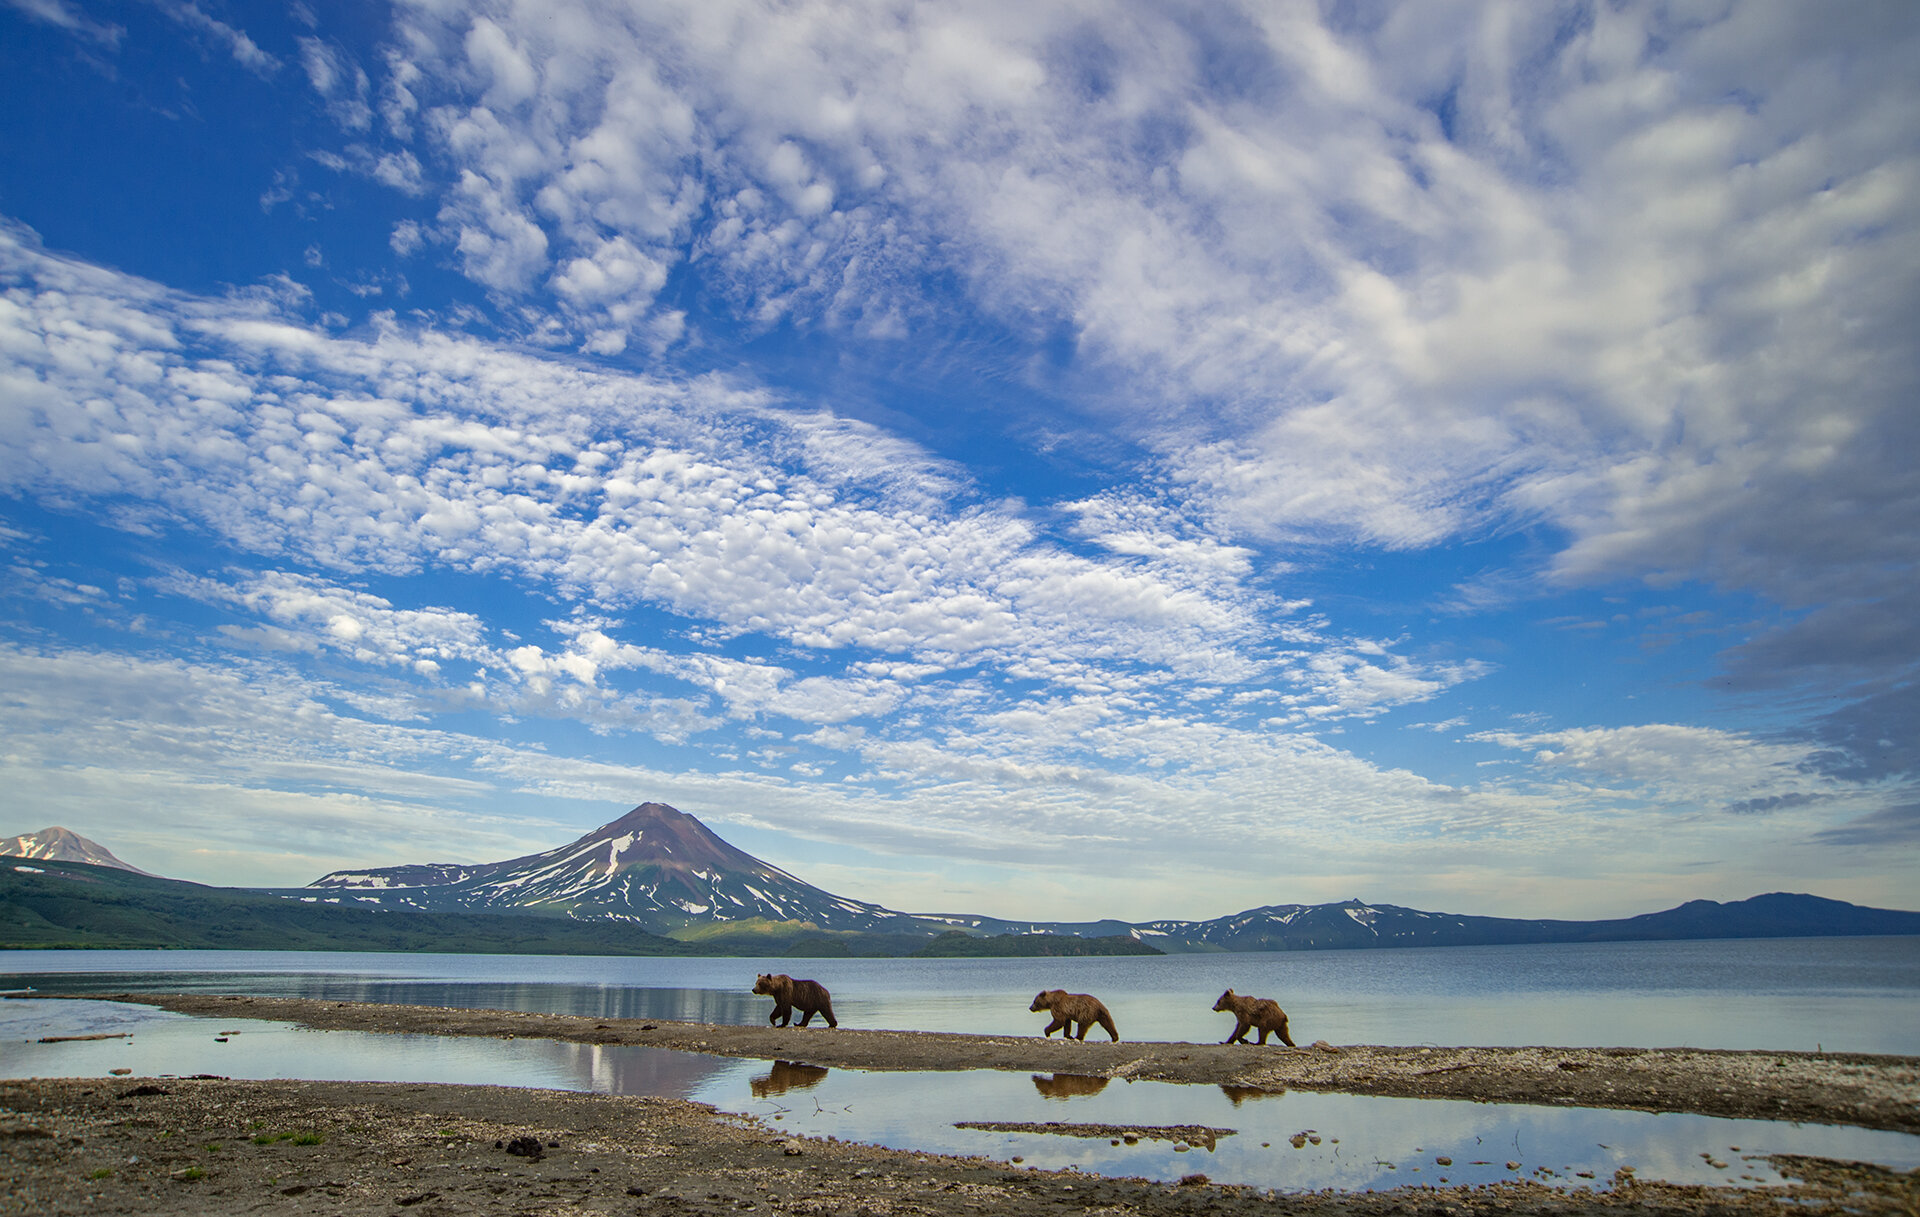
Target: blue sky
1039,460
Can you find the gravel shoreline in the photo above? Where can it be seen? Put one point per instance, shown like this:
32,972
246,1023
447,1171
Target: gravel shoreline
220,1147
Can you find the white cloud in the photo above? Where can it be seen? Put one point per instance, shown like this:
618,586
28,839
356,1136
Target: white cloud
1413,277
244,50
68,17
1693,769
343,84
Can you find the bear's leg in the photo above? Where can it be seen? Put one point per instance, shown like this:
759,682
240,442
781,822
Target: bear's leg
806,1016
1056,1025
826,1012
1281,1031
1263,1036
1106,1020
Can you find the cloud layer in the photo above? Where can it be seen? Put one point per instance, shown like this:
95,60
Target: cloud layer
1534,307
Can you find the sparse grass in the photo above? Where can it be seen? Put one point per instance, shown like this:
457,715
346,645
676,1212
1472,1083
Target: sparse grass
190,1174
105,1172
213,1147
291,1138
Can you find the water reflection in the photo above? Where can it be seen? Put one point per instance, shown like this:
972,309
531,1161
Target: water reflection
1064,1086
612,1069
538,997
785,1076
1240,1094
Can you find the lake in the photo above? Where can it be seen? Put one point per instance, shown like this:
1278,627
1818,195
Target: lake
1850,994
1837,994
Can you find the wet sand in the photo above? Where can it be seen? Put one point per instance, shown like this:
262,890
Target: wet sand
221,1147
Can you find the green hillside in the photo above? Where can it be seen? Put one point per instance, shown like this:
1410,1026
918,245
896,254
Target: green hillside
69,904
958,945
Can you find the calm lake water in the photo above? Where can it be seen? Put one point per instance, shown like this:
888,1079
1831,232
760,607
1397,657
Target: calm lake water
1852,994
1841,994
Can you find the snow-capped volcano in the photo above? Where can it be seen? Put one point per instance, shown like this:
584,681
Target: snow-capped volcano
655,865
61,845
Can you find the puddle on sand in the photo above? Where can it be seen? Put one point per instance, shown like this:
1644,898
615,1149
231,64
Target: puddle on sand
1291,1142
1299,1141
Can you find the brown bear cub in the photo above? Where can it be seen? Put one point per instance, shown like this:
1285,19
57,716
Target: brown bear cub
1070,1008
1250,1012
810,997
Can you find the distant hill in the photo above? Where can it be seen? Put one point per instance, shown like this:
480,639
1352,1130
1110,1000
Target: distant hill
958,944
658,881
72,904
58,844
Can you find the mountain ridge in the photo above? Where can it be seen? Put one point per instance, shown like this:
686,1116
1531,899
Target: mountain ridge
57,844
664,870
665,877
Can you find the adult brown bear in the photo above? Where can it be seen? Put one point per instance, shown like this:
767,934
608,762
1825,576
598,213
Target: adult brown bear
809,997
1251,1012
1070,1008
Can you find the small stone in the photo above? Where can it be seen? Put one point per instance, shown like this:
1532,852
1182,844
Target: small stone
119,1073
794,1147
1297,1140
1513,1166
527,1147
1443,1161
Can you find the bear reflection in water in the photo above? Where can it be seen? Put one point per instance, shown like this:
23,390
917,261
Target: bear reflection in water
787,1075
1065,1086
1240,1094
